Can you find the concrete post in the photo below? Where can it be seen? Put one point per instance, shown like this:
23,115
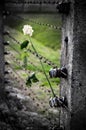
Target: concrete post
1,53
74,58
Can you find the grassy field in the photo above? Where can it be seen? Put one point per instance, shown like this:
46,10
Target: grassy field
47,41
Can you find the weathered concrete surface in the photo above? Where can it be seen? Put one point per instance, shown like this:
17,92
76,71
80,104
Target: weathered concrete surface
74,58
14,117
25,7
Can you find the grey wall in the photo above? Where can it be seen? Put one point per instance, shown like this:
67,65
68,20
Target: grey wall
25,7
74,58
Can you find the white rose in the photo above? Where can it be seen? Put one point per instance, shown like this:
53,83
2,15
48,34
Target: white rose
27,30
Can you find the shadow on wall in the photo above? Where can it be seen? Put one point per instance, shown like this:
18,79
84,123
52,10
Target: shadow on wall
78,120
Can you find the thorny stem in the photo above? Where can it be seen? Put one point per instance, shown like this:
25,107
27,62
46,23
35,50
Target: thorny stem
43,68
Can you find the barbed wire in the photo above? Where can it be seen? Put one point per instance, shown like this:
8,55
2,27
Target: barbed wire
37,54
19,80
39,23
45,60
18,64
17,61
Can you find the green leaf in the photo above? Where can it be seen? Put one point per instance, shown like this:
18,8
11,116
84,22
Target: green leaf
24,44
28,82
31,78
34,78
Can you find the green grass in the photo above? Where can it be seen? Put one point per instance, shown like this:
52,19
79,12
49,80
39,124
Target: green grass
46,41
44,34
47,52
53,19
